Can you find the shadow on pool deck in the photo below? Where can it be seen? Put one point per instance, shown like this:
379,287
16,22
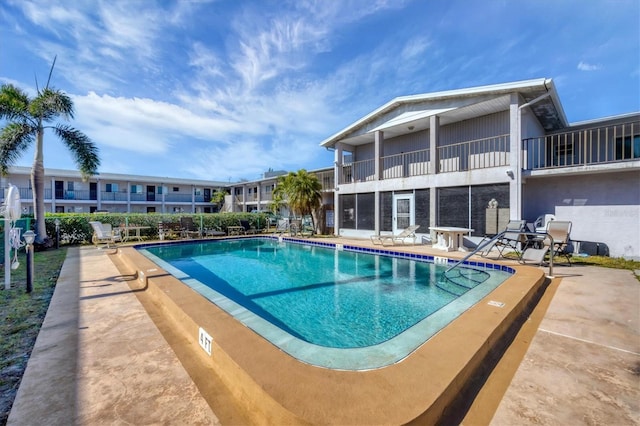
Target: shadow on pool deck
101,359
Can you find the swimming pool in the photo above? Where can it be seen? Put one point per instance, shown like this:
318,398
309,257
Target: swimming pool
325,304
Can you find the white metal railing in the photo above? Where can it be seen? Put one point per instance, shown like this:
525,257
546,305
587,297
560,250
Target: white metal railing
597,145
475,154
358,171
406,164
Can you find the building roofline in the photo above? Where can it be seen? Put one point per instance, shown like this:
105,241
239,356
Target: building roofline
49,172
497,89
603,119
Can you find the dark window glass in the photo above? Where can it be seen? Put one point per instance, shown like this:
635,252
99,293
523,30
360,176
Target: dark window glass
422,209
453,207
348,211
480,198
365,211
386,210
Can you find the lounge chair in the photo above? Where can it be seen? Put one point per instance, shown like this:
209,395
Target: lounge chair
560,231
103,233
409,232
511,240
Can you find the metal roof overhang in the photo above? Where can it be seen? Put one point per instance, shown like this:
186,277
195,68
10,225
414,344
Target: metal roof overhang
462,104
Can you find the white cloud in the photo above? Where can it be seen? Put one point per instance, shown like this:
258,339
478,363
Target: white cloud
584,66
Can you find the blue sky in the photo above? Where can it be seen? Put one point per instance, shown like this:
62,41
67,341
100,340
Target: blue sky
225,90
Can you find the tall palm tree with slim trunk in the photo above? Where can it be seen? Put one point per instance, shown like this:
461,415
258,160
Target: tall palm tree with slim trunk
26,121
303,192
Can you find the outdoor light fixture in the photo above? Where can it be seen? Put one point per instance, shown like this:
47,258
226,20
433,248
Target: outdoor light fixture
57,223
410,127
29,238
509,173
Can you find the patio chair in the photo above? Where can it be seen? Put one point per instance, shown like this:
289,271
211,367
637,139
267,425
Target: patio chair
103,233
188,229
409,232
282,226
560,231
512,239
248,228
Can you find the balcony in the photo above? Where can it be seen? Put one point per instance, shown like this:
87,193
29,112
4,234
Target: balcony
469,155
178,198
113,196
591,146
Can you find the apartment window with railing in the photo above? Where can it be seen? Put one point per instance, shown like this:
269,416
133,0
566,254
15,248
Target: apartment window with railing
111,187
136,189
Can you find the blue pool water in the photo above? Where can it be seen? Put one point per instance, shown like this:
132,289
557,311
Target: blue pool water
323,297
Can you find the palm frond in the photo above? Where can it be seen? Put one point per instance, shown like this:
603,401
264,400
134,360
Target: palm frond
85,152
14,103
14,140
50,104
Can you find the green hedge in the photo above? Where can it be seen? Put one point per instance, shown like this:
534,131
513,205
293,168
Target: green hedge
75,228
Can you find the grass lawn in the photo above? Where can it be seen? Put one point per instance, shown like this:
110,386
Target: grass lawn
22,316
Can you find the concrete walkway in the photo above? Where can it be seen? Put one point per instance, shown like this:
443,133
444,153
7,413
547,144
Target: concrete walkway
100,359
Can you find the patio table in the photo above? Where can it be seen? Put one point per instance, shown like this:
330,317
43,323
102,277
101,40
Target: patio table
449,238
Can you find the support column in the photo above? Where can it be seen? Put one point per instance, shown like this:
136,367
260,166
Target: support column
53,195
337,176
434,131
128,197
98,196
378,154
515,179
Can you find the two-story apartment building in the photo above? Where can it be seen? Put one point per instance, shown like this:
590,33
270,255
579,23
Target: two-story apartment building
449,158
257,195
66,192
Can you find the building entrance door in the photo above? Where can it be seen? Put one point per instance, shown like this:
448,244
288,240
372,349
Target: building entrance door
403,211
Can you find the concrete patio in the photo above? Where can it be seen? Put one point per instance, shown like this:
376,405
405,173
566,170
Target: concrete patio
101,359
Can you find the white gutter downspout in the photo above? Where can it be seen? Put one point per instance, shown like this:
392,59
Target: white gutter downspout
519,167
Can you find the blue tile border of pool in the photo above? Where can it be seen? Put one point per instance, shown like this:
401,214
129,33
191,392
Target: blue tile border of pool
367,358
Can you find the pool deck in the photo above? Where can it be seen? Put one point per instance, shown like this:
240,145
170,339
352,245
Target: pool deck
101,359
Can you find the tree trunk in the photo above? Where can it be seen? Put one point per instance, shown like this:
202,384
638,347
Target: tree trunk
37,185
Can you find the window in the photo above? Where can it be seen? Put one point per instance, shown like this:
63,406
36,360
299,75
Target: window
176,189
197,191
348,208
111,187
160,190
69,186
136,189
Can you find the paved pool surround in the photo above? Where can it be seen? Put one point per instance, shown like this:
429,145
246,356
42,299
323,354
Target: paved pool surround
279,389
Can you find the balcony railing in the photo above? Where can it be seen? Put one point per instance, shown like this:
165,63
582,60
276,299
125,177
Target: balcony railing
469,155
597,145
476,154
113,196
327,180
407,164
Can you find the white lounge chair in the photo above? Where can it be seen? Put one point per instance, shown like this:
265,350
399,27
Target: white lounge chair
104,234
409,232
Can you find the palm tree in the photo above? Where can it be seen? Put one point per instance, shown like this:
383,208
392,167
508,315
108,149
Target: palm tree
303,192
26,121
218,197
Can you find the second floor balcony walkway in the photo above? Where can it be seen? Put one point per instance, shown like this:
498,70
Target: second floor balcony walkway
613,143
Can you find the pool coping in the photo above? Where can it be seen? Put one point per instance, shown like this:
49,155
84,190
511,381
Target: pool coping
280,389
379,355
